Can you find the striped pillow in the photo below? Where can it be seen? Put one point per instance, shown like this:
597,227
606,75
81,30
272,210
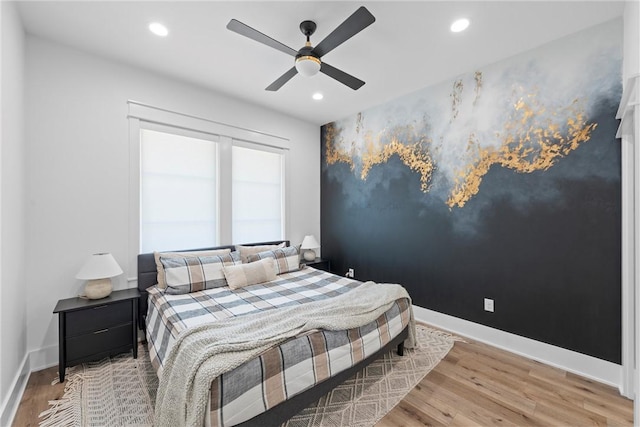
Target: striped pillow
246,251
287,259
162,284
192,274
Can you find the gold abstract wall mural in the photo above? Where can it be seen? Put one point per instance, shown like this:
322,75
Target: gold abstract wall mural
532,135
502,183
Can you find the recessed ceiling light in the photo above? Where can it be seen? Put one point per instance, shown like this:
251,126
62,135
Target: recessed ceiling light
317,96
459,25
158,29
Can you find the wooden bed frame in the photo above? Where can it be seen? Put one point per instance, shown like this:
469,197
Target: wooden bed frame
147,276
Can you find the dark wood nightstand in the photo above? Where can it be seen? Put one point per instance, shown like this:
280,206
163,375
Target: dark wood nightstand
90,330
319,263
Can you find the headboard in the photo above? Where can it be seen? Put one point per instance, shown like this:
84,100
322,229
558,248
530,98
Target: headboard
148,274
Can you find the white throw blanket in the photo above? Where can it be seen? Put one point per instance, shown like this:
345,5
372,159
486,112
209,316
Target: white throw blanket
201,354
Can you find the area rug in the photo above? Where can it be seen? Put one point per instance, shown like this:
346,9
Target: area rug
121,391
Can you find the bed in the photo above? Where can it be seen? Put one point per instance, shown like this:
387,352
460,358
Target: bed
278,383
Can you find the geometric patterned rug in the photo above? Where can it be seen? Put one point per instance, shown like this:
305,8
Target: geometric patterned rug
368,396
115,391
120,391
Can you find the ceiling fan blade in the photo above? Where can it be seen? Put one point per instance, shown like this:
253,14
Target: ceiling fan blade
358,21
245,30
341,76
282,79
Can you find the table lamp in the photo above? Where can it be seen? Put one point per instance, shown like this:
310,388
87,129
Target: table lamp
309,243
98,270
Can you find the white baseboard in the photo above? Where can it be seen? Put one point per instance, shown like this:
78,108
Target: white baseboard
571,361
33,361
12,401
43,358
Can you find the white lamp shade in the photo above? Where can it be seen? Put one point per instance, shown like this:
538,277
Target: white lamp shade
309,242
99,266
308,66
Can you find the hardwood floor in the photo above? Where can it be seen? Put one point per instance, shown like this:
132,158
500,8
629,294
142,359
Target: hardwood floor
36,397
475,384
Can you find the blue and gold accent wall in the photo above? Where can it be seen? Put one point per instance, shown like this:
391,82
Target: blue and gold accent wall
502,183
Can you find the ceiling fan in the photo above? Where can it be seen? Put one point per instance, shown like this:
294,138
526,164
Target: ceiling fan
308,59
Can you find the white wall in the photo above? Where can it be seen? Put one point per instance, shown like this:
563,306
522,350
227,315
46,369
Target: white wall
13,325
631,19
78,167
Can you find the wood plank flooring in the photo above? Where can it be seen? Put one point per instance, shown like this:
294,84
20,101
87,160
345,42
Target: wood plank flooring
475,384
36,397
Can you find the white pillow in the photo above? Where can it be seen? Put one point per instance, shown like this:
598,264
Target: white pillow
239,276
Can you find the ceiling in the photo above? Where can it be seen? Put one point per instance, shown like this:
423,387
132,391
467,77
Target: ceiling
409,47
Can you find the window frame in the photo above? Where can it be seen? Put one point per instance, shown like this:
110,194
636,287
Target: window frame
155,118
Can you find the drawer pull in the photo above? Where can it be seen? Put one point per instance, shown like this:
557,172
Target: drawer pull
100,306
101,331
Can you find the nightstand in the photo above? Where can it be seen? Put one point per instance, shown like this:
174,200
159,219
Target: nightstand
90,330
319,263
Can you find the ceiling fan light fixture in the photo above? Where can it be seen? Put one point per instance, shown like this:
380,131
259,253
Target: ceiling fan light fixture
308,65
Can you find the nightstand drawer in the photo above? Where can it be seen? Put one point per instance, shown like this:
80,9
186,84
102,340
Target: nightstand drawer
98,318
83,346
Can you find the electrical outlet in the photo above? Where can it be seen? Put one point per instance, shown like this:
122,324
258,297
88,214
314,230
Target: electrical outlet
488,305
351,273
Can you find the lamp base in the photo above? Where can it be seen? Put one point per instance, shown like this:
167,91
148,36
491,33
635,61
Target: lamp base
98,288
309,255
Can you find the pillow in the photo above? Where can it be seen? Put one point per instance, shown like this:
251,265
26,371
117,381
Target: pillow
286,259
162,284
245,251
242,275
192,274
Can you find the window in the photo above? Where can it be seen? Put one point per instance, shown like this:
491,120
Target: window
257,194
178,191
199,183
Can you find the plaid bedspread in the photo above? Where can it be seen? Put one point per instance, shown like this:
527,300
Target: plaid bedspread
285,370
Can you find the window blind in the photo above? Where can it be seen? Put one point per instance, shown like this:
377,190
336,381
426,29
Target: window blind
178,191
257,193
